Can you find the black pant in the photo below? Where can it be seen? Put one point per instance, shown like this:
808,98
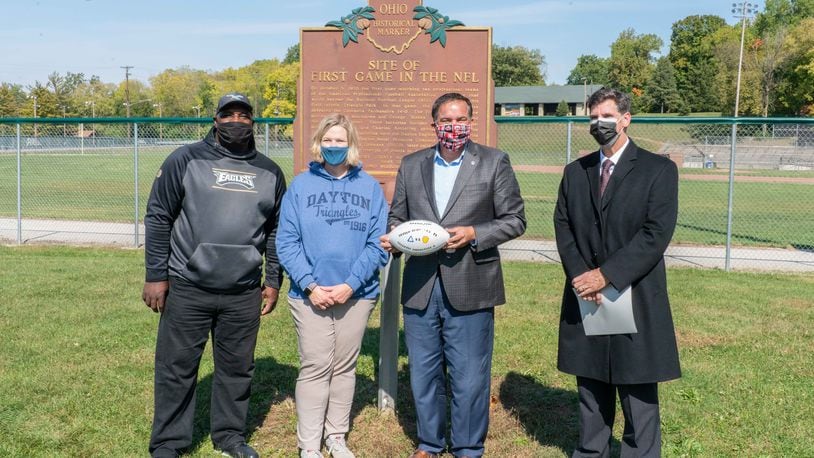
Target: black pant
189,315
597,409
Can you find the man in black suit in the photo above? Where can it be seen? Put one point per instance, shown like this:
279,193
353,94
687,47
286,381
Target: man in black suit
449,296
615,215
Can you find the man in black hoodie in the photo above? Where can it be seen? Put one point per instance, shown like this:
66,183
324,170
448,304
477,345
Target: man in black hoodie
211,216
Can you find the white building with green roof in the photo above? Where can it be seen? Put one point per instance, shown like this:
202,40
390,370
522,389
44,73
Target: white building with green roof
542,100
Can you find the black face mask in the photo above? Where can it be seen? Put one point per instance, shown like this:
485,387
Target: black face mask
604,132
235,136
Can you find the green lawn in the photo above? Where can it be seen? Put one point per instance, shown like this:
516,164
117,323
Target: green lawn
546,143
76,370
91,187
765,214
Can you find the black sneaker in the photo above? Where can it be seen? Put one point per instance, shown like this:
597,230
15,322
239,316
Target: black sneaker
240,450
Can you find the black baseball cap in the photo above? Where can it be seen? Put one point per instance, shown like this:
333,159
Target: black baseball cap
234,98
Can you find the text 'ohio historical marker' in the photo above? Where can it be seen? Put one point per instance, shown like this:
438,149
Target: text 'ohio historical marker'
383,65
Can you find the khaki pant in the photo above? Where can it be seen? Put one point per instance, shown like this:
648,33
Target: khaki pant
329,343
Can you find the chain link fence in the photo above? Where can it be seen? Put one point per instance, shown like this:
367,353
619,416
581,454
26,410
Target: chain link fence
747,204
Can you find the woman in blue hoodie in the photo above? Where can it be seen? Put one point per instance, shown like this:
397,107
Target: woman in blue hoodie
328,241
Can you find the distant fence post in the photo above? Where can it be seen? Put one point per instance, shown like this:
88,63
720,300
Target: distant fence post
19,190
568,144
135,180
734,148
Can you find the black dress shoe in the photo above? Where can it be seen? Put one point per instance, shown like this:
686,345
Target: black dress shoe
240,450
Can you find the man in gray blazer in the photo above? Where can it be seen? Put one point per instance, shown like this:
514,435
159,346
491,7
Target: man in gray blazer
449,296
615,215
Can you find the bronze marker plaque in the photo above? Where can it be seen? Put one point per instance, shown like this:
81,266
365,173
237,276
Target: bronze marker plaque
380,67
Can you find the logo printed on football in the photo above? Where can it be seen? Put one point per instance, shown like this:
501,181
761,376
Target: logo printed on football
418,237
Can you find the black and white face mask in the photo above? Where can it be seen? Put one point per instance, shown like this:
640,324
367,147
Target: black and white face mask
604,131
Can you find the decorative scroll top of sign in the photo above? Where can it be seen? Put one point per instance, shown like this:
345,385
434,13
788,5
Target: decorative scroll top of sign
395,30
354,23
434,23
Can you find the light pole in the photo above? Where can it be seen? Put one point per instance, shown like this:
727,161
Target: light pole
585,95
35,115
129,104
92,104
742,11
160,125
280,90
197,109
64,126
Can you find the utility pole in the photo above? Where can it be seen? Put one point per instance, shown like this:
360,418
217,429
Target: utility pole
127,87
127,95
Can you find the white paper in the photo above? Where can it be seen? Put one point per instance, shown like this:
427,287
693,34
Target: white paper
614,316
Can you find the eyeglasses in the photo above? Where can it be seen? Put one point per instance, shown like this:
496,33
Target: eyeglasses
242,115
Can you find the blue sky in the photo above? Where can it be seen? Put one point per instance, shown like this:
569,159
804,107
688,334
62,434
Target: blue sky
97,37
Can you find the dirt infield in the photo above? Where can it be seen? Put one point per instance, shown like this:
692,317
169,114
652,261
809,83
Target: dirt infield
739,176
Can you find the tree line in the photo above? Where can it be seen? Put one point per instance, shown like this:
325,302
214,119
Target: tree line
179,92
699,71
697,74
185,92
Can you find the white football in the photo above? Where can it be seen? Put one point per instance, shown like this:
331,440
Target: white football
418,237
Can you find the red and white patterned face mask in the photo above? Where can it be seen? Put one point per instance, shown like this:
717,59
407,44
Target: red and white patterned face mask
453,136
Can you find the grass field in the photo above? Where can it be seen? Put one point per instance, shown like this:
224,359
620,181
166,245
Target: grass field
100,187
765,214
76,370
90,187
546,143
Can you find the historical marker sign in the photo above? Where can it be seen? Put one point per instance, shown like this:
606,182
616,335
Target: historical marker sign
383,65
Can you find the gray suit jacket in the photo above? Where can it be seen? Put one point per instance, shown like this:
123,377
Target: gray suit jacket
486,196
